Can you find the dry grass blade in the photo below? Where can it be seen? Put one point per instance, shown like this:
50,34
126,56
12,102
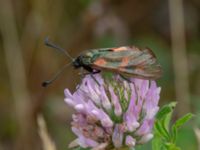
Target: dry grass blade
47,142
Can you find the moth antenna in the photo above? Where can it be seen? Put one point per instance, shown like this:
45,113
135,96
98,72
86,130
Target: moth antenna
52,45
47,82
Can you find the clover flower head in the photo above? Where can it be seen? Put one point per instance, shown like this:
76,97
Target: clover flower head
112,112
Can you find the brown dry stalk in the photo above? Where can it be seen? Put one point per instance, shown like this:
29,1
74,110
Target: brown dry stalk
47,142
180,63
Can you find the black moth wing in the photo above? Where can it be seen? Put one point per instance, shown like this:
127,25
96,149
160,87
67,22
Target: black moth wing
129,61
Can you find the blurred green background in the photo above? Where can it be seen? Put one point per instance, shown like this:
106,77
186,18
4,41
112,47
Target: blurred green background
171,28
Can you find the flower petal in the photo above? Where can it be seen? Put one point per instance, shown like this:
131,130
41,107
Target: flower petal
117,137
145,138
130,141
115,101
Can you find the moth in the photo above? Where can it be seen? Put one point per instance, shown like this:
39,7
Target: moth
128,61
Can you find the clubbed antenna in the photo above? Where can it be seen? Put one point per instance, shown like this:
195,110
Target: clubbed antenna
52,45
46,83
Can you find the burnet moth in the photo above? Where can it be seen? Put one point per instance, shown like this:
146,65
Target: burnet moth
128,61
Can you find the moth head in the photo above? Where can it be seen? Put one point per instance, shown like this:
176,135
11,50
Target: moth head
77,63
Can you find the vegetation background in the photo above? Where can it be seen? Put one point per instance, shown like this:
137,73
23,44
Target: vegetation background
170,27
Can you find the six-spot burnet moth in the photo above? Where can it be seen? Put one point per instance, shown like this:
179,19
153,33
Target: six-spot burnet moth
128,61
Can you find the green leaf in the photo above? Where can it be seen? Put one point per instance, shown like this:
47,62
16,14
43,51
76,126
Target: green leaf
166,121
167,114
174,134
165,137
156,142
180,122
183,120
166,109
163,120
161,130
171,146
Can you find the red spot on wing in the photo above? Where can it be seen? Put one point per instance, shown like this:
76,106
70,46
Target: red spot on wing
125,61
100,62
120,49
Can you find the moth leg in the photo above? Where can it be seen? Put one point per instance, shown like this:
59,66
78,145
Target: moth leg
88,73
91,74
125,78
95,79
82,74
95,72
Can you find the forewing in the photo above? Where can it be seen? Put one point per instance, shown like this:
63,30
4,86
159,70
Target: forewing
129,61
